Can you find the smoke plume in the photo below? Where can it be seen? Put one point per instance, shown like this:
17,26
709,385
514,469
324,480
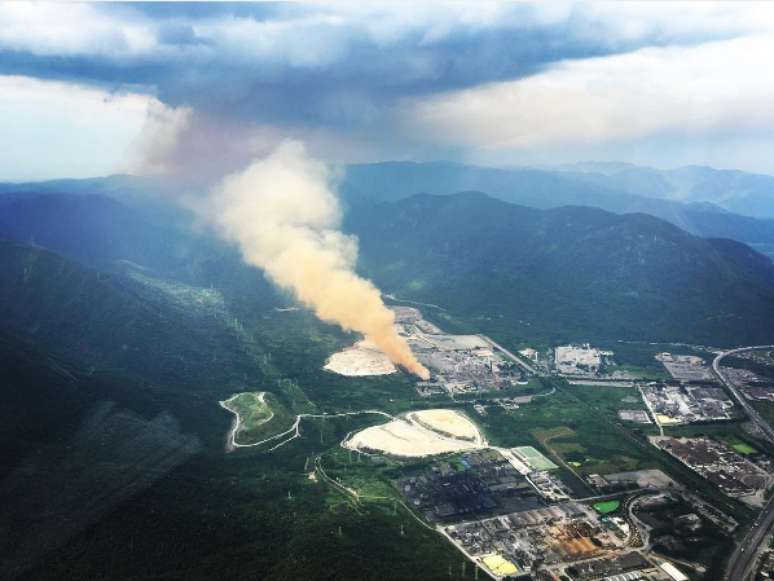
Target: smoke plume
284,217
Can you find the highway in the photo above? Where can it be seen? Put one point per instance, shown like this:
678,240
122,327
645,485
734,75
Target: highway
517,360
743,558
740,399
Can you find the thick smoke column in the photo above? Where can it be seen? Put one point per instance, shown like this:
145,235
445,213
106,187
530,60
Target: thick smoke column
284,217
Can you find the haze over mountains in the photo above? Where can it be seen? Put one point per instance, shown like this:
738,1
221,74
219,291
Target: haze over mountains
736,191
700,200
576,265
703,201
590,183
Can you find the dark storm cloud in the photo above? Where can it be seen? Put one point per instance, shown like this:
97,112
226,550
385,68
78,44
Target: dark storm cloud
224,83
328,65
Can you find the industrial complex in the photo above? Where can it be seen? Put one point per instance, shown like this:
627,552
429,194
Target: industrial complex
675,404
513,511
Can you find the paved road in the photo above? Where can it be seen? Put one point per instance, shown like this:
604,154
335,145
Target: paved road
743,558
740,399
517,360
741,563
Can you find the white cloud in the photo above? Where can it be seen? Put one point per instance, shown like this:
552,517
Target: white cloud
52,129
676,21
44,28
326,31
686,90
719,89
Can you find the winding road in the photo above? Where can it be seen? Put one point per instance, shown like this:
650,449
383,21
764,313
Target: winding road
740,566
291,433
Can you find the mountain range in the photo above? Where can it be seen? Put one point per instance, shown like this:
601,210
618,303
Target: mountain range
738,205
123,325
735,191
568,272
613,186
547,274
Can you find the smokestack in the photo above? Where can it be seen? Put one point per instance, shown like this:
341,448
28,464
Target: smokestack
284,217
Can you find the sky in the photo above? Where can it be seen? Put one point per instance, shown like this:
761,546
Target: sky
155,88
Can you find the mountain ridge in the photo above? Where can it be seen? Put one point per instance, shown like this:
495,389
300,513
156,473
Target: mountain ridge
651,280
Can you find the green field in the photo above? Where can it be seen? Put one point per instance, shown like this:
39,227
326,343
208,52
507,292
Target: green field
745,449
574,425
536,459
607,507
260,416
251,407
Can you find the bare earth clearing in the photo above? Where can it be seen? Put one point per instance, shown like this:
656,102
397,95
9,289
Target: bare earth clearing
422,433
447,423
362,359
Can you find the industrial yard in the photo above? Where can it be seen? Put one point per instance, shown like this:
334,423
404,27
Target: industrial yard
489,503
471,485
496,507
754,386
672,405
566,538
581,360
514,511
458,364
721,465
686,367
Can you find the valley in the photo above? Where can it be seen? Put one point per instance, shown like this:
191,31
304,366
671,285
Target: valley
534,400
511,511
386,291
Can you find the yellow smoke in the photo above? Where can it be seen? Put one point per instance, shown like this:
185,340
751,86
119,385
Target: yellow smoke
284,217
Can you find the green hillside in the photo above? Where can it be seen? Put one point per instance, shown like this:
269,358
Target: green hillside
174,332
113,463
571,273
